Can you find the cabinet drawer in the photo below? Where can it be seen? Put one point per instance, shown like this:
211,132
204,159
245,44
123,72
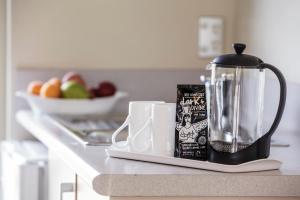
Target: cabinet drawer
62,180
84,191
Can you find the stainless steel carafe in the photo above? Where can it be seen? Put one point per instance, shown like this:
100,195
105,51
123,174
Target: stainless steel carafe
235,116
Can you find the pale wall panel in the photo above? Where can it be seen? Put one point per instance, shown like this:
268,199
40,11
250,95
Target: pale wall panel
2,68
113,34
272,31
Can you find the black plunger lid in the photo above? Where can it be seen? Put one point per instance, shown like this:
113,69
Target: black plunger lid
237,59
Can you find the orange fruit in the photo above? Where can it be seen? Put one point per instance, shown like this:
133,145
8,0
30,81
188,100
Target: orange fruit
34,87
49,90
55,81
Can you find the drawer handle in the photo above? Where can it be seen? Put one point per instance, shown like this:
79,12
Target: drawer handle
66,187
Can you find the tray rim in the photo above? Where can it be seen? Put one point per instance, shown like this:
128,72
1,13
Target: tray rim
252,166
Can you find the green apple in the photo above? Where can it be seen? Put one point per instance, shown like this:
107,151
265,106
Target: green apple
74,90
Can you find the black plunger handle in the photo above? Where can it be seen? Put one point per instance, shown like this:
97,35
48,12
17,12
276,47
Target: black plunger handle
282,97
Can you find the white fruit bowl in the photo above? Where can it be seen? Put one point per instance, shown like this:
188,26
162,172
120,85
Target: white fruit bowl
77,107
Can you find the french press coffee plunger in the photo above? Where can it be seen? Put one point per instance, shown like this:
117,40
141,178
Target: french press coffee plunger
235,108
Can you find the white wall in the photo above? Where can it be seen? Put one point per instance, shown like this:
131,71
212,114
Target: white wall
2,68
67,33
117,34
146,36
272,31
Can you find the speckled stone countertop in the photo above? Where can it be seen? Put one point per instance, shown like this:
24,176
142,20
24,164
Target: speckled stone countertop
120,177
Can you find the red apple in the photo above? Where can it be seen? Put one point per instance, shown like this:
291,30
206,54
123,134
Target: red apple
72,76
106,88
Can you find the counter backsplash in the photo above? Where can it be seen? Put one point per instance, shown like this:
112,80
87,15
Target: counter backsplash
160,85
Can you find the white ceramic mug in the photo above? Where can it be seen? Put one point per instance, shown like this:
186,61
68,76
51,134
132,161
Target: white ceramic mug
161,124
138,114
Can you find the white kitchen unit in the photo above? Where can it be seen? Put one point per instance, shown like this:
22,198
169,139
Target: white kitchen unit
96,176
22,161
62,179
84,191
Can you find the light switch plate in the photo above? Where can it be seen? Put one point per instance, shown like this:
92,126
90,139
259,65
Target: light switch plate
210,36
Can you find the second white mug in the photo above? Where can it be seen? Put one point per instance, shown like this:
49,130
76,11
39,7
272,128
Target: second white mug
161,124
139,113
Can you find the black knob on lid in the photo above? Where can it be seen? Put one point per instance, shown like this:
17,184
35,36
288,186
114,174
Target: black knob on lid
237,59
239,48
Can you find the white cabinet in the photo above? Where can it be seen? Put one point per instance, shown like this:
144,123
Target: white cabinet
84,191
62,180
64,184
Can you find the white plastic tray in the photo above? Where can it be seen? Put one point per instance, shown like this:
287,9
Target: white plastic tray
257,165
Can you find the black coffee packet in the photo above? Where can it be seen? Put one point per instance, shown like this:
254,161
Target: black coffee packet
191,122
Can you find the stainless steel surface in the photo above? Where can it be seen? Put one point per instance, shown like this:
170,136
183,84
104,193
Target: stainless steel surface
279,143
89,131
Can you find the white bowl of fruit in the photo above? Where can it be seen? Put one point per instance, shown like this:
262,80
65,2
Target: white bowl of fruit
70,96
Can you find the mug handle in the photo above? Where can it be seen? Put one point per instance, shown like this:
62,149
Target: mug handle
147,124
118,131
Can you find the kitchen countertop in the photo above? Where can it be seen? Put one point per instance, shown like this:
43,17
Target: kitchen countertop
120,177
